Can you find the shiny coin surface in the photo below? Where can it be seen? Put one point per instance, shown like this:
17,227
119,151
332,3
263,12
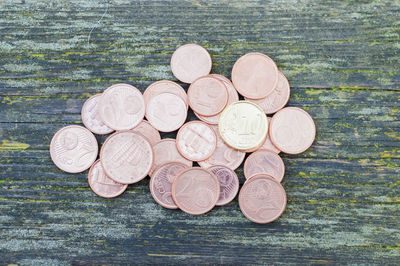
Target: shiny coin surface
91,118
189,62
166,112
121,107
232,97
126,157
277,99
255,75
196,141
101,184
207,95
228,182
264,162
223,155
292,130
165,151
148,131
161,182
267,144
262,199
163,86
195,190
73,149
243,125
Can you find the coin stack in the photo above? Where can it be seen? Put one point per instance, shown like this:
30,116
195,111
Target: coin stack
228,129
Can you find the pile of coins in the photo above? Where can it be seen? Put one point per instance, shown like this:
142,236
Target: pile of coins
228,129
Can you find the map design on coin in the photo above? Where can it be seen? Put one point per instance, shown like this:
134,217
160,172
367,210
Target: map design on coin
264,162
91,118
101,184
228,181
73,149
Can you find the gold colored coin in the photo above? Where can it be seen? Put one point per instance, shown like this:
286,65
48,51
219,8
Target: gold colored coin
243,125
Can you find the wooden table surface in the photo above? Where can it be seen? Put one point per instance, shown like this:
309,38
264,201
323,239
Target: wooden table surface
342,59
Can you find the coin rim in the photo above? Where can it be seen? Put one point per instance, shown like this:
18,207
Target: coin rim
237,186
83,116
152,85
148,139
263,150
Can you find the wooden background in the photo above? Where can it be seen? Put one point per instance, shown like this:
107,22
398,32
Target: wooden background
342,60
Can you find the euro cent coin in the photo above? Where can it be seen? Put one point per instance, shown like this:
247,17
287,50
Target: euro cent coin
163,86
264,162
91,118
148,131
228,182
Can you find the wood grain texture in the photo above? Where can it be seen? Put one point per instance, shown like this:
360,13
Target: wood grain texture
343,63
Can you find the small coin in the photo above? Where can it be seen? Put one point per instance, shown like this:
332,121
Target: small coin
195,190
162,86
255,75
166,112
196,141
223,155
148,131
232,97
292,130
73,149
207,96
189,62
262,199
267,144
161,182
126,157
228,182
243,125
91,118
264,162
165,151
121,107
101,184
277,99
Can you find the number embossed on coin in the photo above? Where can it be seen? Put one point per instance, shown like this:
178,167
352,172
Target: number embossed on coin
228,182
91,118
264,162
73,149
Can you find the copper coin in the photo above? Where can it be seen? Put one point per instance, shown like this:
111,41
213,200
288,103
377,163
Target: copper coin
195,190
165,151
196,141
262,199
228,182
91,118
101,184
277,99
148,131
232,97
292,130
255,75
207,96
264,162
162,86
166,112
73,149
189,62
126,157
223,155
121,107
267,144
161,182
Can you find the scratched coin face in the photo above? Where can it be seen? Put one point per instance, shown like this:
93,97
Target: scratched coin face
255,75
243,125
232,97
228,182
101,184
166,112
148,131
189,62
165,151
223,155
195,190
292,130
207,96
163,86
262,199
126,157
196,141
161,182
264,162
121,107
91,118
277,99
73,149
